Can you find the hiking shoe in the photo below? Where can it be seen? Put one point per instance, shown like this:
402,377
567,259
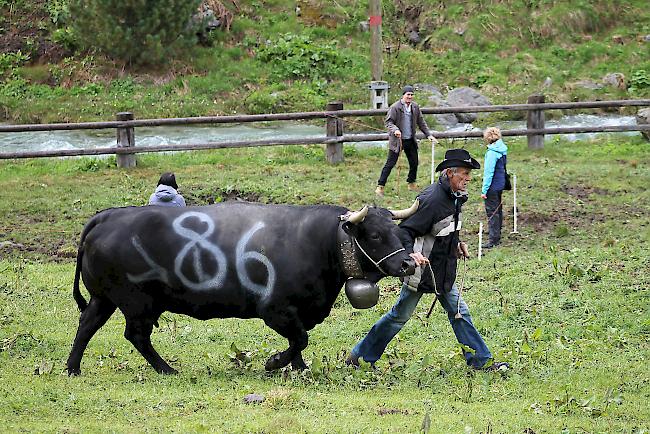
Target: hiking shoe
353,361
379,191
413,186
489,245
496,367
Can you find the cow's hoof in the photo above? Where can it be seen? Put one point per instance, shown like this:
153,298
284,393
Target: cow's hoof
168,371
298,365
274,362
74,372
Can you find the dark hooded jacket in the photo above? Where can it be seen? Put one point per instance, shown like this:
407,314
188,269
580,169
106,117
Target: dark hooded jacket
433,231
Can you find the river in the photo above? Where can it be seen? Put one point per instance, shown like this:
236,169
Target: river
183,134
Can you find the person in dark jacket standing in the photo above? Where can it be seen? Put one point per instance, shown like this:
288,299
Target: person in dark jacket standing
431,235
401,121
166,193
494,181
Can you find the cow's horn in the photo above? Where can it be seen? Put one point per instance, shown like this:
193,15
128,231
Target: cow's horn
358,216
404,213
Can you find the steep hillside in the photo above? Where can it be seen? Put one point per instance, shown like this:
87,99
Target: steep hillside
297,55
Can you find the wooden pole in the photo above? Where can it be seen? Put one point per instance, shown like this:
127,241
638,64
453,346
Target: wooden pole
334,129
125,139
480,240
433,165
374,22
535,120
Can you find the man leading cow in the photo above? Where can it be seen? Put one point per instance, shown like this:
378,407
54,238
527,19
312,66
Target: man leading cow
431,236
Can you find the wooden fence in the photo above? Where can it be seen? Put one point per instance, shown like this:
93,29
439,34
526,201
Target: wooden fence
334,137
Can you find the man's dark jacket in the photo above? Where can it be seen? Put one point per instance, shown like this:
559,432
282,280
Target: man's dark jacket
433,231
395,119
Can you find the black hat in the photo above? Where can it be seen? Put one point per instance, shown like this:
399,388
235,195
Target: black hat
169,179
408,88
458,158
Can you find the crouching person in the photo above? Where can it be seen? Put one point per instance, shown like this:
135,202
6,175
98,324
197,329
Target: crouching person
166,193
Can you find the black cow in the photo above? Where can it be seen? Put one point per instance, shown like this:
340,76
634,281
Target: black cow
282,263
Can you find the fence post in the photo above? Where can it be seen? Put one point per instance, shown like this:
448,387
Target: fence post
125,139
535,120
334,128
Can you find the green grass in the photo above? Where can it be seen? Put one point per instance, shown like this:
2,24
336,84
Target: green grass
565,302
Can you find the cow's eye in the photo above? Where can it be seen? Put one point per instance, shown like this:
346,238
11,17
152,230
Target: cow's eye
375,236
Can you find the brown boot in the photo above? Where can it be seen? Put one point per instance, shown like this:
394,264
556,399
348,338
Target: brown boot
413,186
379,191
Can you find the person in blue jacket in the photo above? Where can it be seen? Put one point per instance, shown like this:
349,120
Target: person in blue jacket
166,193
494,181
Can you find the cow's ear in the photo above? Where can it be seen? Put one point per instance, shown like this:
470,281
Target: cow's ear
351,229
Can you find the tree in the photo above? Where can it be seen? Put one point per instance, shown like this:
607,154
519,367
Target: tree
134,31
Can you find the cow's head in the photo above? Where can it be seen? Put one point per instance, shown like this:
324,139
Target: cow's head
378,248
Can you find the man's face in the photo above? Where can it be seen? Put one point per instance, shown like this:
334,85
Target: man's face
459,179
407,97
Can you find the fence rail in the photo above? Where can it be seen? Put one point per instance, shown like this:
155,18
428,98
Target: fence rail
334,137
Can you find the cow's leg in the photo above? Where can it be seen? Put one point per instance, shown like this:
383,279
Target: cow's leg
288,325
138,332
99,310
298,363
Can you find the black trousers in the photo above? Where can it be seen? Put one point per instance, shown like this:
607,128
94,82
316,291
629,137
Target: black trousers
410,148
494,211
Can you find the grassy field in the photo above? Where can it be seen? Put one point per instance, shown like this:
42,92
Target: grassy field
565,302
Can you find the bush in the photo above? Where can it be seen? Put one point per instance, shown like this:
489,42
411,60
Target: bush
640,79
300,96
10,61
297,56
134,31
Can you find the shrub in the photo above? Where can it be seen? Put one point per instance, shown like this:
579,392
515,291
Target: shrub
297,56
15,88
300,96
10,61
134,31
65,37
640,79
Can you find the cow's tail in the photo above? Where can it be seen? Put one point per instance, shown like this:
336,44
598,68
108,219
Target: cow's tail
82,304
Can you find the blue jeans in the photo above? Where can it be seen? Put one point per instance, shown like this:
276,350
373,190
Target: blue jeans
373,345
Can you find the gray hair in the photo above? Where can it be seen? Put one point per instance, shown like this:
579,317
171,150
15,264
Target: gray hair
444,172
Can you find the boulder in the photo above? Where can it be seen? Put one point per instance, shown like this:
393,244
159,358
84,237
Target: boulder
436,99
643,118
615,79
428,88
206,20
414,37
466,96
588,84
446,120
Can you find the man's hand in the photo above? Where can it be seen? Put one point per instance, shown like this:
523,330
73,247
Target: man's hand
398,133
462,250
419,258
483,196
433,139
